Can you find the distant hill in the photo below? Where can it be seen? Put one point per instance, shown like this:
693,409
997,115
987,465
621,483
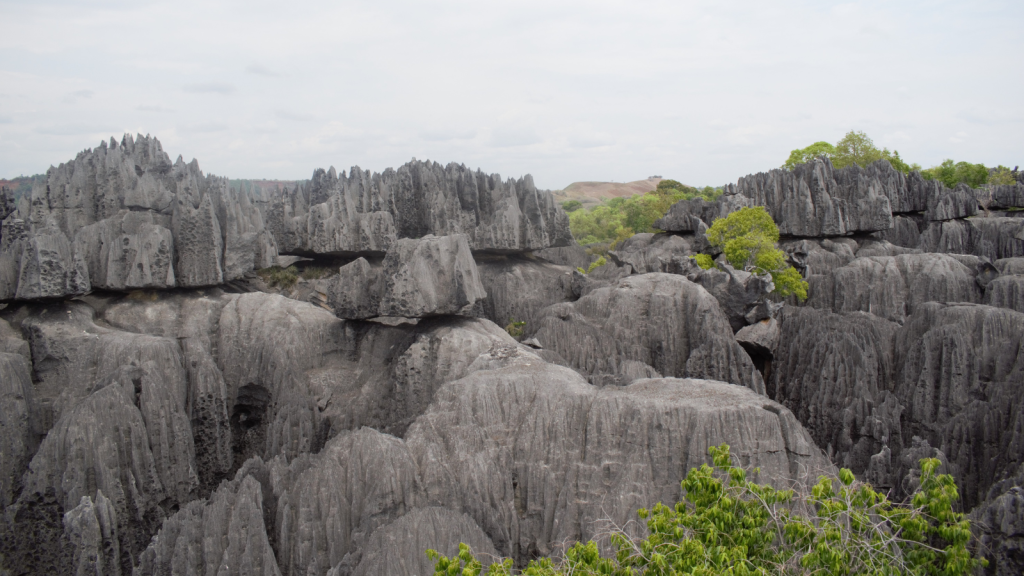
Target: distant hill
596,192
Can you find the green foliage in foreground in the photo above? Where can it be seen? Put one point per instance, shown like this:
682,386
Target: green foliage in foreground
705,261
748,237
728,525
619,218
854,148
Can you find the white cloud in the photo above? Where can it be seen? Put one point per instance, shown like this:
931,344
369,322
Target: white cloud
703,92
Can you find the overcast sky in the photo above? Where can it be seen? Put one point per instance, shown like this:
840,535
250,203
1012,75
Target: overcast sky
704,92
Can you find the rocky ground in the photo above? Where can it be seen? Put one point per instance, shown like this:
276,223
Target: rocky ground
167,406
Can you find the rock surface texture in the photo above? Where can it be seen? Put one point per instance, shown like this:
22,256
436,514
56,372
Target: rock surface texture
452,377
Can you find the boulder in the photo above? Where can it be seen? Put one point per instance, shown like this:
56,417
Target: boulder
739,293
652,252
993,238
660,323
905,232
429,276
1002,197
519,287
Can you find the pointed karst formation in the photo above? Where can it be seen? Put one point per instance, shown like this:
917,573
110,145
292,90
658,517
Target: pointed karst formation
440,372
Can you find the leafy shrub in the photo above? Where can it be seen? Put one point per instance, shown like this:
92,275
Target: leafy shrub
727,524
704,261
317,272
748,237
571,205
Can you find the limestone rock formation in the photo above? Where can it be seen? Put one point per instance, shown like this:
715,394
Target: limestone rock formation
998,524
652,252
428,276
645,325
993,238
363,212
519,287
1003,196
891,287
960,202
814,199
122,216
834,371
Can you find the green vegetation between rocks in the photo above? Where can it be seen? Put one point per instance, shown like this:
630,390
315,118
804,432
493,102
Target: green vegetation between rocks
857,148
601,261
729,525
748,239
620,218
515,329
277,277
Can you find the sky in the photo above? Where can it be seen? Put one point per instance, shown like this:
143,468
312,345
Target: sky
702,92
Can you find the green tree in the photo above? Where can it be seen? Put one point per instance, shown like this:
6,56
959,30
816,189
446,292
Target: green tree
748,238
726,524
854,148
952,173
1002,176
804,155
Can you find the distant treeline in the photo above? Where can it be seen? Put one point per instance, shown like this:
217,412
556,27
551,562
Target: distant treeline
22,185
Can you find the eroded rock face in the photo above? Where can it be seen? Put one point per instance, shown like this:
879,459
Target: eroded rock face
834,371
959,374
429,276
123,216
891,287
814,199
647,252
518,288
509,447
363,212
647,325
993,238
998,524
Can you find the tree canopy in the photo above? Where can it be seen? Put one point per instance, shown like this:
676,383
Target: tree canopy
854,148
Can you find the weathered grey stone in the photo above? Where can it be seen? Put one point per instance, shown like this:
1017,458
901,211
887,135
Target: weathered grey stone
814,199
873,247
92,531
811,256
1004,196
1010,265
574,256
834,371
993,238
17,441
662,320
905,232
738,292
518,288
430,276
760,337
652,252
225,535
960,376
417,199
508,447
892,287
137,221
129,250
398,548
998,525
960,202
356,291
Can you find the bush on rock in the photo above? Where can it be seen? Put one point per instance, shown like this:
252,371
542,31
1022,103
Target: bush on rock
748,238
727,524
